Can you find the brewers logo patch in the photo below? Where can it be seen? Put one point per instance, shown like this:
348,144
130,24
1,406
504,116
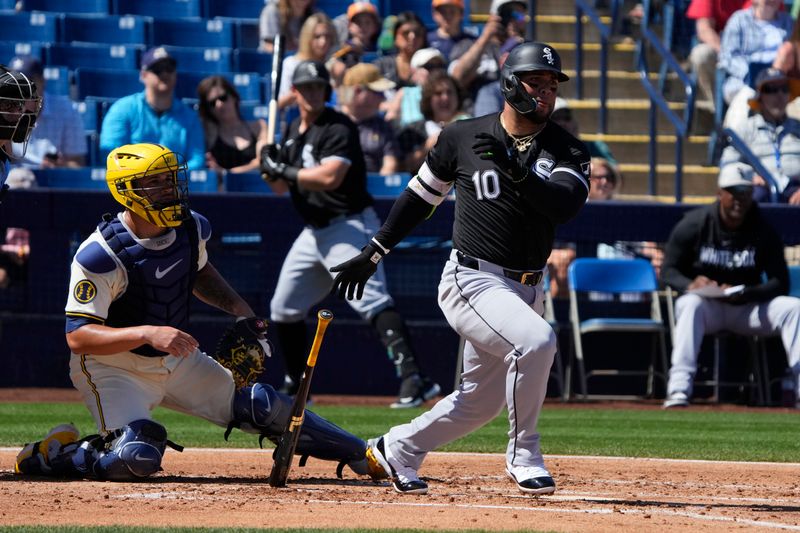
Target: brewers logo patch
85,291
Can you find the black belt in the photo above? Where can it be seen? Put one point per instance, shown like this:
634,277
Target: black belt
320,224
530,278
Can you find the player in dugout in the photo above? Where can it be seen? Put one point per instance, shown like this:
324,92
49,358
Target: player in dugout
127,315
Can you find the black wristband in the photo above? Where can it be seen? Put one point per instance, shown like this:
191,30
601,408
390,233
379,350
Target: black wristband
290,174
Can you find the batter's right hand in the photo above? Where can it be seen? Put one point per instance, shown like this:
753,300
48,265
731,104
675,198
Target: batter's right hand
173,341
353,275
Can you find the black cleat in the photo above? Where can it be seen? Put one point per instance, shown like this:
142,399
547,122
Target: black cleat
414,391
404,478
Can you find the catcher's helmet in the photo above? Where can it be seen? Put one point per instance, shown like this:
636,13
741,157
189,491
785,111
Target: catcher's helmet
20,104
163,203
527,57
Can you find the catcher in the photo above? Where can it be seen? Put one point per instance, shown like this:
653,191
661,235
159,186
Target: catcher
128,306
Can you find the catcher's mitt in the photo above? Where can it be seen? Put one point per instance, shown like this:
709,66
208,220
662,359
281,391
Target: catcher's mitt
242,350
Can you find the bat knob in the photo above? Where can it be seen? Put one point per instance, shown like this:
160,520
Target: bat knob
325,314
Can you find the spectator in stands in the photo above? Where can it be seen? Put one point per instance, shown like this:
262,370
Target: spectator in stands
317,41
788,62
58,139
564,117
773,137
409,36
283,17
474,63
155,115
751,37
15,250
404,107
448,16
710,17
729,262
360,97
357,31
441,104
233,143
489,98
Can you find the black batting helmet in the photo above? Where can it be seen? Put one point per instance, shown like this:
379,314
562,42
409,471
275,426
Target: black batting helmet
527,57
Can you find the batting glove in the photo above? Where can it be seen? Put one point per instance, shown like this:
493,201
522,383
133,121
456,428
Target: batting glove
490,148
353,275
273,168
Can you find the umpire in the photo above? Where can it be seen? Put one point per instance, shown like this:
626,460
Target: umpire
322,166
517,176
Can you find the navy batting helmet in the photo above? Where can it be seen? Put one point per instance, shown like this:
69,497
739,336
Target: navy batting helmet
527,57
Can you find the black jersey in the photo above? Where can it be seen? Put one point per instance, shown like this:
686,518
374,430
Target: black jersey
332,135
499,220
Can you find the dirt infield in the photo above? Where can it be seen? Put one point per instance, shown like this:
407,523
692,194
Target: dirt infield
228,488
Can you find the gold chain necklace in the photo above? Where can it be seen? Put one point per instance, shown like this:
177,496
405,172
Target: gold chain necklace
523,142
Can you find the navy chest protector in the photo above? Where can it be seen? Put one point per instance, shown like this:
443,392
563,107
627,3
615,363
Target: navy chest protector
160,282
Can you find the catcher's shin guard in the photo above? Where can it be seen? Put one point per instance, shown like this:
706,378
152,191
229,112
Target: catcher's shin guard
261,409
394,335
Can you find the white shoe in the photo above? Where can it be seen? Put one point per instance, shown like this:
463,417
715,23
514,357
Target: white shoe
676,399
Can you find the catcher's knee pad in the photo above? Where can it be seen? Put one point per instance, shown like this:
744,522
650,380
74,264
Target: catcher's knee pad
261,409
135,453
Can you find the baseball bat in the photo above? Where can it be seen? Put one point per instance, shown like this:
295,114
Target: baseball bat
284,453
275,87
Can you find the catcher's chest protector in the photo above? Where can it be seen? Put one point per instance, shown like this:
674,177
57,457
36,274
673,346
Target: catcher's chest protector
159,281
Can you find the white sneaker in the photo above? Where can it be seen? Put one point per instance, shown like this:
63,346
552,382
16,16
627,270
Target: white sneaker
676,399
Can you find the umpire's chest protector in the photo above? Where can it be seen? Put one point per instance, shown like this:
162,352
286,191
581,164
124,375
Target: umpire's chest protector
160,280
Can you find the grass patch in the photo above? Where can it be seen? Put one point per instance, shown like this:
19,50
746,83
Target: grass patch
735,436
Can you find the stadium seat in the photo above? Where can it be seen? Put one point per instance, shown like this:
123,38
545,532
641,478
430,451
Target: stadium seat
252,61
9,49
247,34
334,8
109,29
243,9
391,185
167,9
119,57
86,178
88,112
203,181
192,59
37,27
246,182
101,83
631,284
247,84
200,33
99,7
57,80
252,111
9,6
794,281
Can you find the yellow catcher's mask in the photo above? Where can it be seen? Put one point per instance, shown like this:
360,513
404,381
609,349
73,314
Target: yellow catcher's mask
150,180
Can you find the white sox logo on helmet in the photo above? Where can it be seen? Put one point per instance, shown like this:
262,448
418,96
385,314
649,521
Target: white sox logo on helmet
547,53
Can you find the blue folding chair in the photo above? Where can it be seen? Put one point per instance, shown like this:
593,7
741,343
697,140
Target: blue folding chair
253,111
387,186
99,7
8,5
247,34
201,33
636,279
9,49
57,79
248,85
109,29
41,27
166,9
88,112
190,59
252,61
85,178
106,84
119,57
794,281
204,181
242,9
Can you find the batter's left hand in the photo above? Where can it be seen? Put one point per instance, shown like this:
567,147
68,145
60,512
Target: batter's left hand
490,148
353,275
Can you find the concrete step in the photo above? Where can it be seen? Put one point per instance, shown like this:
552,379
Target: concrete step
629,116
635,148
698,180
621,84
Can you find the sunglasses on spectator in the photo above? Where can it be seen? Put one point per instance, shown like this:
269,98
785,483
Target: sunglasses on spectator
221,98
608,177
166,68
772,89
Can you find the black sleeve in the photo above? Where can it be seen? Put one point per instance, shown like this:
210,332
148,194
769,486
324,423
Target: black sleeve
559,198
407,212
678,255
771,258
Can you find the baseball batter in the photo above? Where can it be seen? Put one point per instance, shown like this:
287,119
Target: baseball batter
128,307
321,164
20,105
517,175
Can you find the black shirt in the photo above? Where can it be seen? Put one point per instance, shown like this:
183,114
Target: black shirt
506,223
332,135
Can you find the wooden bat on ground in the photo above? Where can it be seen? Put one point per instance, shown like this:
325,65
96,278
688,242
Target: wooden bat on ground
284,453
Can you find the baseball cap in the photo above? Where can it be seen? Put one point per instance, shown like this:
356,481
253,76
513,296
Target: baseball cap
424,55
766,76
735,175
369,75
494,9
439,3
27,64
154,55
308,72
356,8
